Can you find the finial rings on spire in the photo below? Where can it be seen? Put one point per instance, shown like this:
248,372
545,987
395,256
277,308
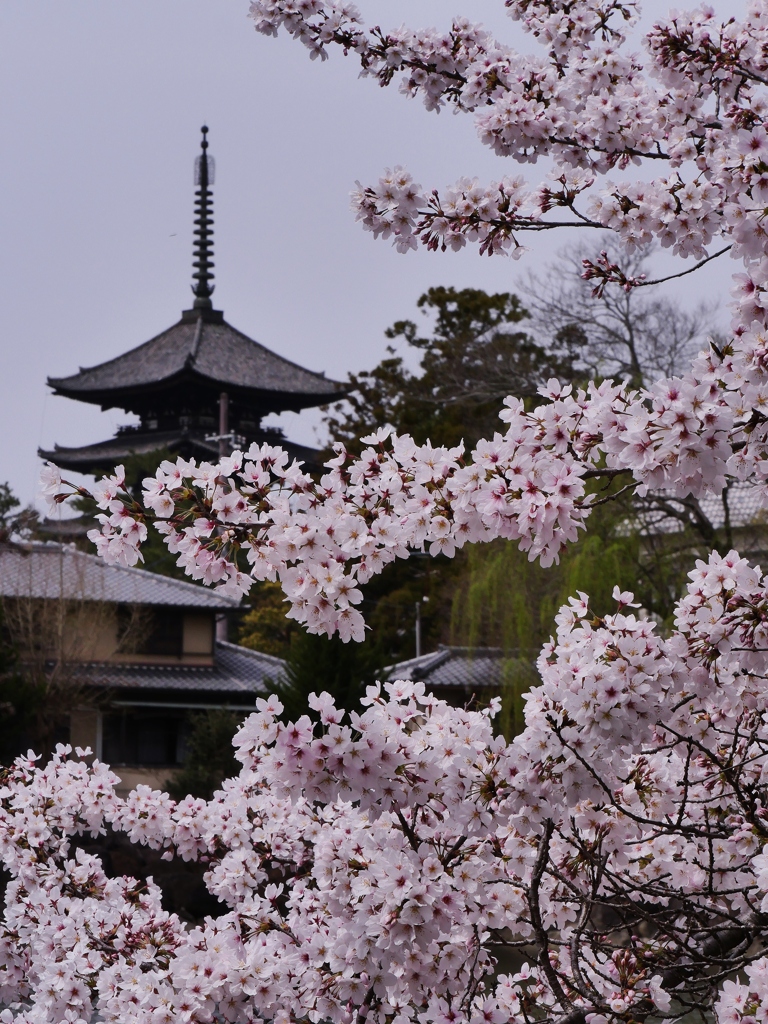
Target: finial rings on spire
203,249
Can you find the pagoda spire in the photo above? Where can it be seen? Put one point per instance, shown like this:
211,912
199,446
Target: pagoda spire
203,248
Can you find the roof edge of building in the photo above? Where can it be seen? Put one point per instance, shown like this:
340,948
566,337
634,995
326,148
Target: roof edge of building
51,547
249,652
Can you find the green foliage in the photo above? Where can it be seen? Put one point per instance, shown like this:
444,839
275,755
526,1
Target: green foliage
14,523
320,663
8,502
506,601
210,758
472,359
473,354
313,663
391,599
518,675
390,611
265,628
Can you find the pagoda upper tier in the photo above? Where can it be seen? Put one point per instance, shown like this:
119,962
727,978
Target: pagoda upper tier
176,382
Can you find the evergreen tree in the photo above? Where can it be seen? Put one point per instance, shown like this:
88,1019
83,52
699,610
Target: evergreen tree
320,663
209,757
390,609
474,356
265,627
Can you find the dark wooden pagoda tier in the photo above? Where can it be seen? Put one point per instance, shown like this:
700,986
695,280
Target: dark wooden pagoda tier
175,383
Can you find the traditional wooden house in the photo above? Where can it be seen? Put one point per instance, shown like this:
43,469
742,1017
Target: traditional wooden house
128,654
199,388
455,674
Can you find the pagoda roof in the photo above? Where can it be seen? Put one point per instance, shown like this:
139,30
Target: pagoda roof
203,349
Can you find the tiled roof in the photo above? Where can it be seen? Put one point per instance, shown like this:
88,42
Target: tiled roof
236,671
462,667
746,505
55,571
208,348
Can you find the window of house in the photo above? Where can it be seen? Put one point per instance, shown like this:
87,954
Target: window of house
198,633
147,630
144,736
166,632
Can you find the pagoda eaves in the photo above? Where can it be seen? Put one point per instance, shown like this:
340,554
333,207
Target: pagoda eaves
204,353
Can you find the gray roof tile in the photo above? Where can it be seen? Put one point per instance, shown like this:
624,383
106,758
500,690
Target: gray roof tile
129,443
456,667
745,504
54,571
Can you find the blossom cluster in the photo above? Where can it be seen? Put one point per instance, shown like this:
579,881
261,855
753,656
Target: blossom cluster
255,516
467,212
696,106
388,865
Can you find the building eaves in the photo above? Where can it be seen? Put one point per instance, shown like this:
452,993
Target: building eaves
417,668
236,672
455,667
107,454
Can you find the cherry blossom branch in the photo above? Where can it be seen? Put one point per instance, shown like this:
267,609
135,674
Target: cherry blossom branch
541,933
345,826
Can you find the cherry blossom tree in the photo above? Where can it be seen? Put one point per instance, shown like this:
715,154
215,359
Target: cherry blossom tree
405,865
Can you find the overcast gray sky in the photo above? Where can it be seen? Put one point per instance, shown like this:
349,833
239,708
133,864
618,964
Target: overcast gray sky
99,121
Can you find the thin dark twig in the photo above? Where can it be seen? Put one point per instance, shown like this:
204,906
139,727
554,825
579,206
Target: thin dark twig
690,270
609,497
541,932
407,830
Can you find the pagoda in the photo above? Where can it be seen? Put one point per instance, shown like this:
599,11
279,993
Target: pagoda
200,388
